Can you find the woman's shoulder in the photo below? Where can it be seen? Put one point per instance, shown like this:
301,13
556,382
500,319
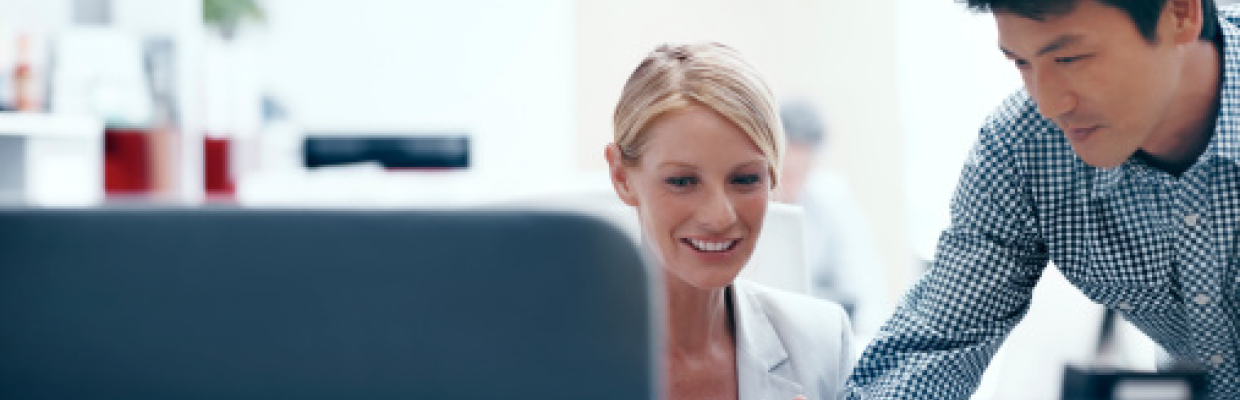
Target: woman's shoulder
813,334
787,300
795,311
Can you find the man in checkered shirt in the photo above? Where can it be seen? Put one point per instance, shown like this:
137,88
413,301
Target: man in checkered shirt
1120,163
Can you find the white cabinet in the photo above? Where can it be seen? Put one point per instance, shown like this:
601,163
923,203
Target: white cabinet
51,160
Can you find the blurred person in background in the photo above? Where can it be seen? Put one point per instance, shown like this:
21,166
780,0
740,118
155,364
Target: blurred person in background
697,151
842,259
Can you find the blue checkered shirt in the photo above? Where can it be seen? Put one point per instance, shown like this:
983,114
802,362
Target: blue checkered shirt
1160,250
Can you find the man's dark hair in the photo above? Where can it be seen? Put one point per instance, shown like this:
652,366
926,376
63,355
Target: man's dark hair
1144,13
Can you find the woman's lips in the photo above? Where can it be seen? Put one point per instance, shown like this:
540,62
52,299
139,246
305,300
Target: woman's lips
711,246
719,250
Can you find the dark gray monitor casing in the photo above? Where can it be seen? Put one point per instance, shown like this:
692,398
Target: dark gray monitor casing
320,304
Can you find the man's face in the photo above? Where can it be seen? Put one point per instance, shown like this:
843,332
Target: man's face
1095,76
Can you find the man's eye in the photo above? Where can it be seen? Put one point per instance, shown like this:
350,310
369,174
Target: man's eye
681,181
1069,60
1020,64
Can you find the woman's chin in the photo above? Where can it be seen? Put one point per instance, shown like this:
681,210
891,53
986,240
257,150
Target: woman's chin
716,277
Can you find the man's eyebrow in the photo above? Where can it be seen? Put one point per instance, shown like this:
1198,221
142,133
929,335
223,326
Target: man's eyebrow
1059,43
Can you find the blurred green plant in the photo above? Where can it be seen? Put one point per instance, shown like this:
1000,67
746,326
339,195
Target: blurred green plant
227,15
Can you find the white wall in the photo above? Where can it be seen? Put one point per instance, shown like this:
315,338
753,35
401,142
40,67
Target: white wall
500,71
951,75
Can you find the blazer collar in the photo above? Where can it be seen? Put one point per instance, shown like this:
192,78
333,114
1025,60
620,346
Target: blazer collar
763,366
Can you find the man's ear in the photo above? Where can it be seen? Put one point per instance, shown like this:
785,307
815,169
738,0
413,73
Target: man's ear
1184,19
620,175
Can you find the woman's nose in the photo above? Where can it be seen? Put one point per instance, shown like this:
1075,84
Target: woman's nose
717,212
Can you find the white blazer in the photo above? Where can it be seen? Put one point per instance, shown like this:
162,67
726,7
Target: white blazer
789,344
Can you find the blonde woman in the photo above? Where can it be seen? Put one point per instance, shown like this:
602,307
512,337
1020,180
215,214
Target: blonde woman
697,151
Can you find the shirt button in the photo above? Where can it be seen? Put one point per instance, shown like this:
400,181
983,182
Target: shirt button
1216,360
1126,306
1202,299
1191,219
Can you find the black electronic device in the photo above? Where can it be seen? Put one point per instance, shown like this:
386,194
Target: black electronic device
393,151
270,304
1180,382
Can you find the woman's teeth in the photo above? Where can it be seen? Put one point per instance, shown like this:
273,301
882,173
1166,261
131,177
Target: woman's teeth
705,245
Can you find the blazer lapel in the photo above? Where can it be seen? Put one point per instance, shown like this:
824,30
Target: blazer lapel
763,368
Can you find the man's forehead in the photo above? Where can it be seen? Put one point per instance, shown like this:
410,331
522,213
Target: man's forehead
1029,37
1037,10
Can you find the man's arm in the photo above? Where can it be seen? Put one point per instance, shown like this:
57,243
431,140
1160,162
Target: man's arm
947,327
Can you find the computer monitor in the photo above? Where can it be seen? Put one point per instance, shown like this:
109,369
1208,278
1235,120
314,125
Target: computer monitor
267,304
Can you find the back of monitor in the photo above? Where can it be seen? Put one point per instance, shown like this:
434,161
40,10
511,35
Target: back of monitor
246,304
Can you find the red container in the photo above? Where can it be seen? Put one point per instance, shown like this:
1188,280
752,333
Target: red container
217,167
128,163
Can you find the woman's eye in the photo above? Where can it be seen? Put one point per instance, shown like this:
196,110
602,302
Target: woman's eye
681,181
746,179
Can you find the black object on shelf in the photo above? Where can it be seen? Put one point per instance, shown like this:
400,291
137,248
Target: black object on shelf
389,150
1182,381
1107,384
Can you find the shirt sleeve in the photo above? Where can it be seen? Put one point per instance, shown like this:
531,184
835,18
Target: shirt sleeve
951,322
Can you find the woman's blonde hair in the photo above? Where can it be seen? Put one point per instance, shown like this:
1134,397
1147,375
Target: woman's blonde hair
677,76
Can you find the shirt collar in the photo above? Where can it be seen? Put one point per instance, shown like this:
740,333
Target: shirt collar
1226,139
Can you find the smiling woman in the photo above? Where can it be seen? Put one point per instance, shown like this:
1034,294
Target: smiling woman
697,151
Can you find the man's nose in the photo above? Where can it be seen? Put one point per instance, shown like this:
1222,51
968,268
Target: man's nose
1052,93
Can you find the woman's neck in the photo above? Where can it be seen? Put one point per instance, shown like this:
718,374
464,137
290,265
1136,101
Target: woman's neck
697,319
700,357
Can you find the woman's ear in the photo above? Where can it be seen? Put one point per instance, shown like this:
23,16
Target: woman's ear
619,175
